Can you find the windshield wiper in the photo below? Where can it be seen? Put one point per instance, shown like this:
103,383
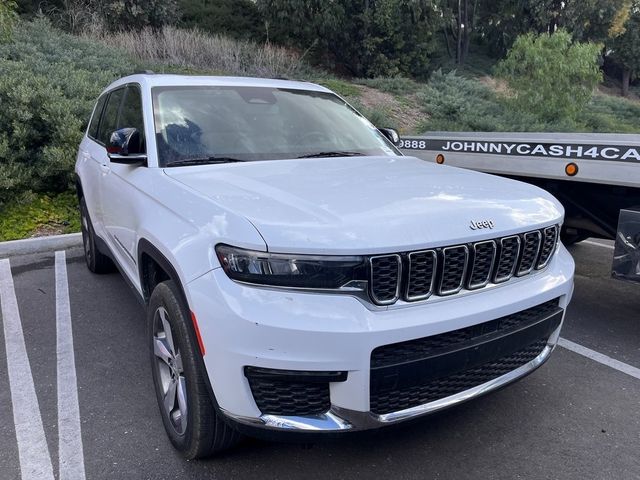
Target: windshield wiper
332,154
203,161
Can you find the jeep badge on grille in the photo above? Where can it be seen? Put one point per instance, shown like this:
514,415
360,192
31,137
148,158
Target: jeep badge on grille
477,225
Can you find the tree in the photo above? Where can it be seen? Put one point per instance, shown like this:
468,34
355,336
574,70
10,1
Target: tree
500,22
626,46
459,19
551,75
236,18
365,38
73,15
136,14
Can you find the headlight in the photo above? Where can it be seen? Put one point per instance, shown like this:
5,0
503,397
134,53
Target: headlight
297,271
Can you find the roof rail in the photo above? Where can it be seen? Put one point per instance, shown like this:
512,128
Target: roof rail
145,72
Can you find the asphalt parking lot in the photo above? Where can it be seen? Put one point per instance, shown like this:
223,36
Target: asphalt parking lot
575,418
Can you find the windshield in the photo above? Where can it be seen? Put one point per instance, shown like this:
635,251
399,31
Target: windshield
258,123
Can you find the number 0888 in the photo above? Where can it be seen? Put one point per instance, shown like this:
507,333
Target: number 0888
413,144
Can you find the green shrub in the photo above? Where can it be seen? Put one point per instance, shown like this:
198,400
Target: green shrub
606,113
342,88
550,75
394,85
455,103
48,84
379,116
7,19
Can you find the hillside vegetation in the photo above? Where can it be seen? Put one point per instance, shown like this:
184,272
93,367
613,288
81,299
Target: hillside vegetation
49,81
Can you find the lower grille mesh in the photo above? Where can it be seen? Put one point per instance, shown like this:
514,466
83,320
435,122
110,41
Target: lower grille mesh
275,397
423,347
401,399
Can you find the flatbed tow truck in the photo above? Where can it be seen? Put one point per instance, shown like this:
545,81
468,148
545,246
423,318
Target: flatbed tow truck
595,176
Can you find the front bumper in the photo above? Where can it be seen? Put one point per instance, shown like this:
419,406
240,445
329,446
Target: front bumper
247,326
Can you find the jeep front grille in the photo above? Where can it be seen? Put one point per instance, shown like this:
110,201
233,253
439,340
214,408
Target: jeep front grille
444,271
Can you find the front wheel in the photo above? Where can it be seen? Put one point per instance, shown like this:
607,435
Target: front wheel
189,416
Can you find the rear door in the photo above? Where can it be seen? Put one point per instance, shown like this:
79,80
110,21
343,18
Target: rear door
89,165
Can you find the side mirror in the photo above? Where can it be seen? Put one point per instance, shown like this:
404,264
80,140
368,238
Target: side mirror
391,134
125,146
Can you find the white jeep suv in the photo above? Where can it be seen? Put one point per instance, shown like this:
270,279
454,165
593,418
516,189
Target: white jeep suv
300,274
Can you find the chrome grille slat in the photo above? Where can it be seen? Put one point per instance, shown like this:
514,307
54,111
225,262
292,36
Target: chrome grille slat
508,258
530,250
447,270
549,241
454,269
484,256
384,285
422,275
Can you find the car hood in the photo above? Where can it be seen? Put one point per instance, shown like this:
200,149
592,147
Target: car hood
371,205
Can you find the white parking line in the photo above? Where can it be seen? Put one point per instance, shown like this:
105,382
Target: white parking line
600,358
598,244
35,462
70,449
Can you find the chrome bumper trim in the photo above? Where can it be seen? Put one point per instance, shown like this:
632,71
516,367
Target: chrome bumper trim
342,419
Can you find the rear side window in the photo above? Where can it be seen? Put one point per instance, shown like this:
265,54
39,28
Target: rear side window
109,122
95,120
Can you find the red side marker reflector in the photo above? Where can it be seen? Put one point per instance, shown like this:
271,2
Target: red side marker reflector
197,330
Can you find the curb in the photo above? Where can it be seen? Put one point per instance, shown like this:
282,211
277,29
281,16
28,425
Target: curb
40,244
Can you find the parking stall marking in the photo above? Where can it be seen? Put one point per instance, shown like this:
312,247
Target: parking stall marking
33,453
70,448
600,358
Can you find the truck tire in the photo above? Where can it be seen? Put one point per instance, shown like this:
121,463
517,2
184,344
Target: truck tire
192,422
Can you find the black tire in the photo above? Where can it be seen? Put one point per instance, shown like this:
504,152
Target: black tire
205,432
97,261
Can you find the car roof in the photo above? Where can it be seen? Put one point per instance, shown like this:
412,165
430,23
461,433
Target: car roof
164,80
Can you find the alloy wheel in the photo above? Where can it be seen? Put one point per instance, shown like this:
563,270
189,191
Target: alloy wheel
170,371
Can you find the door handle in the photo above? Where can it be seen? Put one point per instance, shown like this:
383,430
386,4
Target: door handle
105,168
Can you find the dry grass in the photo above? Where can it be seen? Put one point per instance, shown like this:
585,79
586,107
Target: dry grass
193,49
404,115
